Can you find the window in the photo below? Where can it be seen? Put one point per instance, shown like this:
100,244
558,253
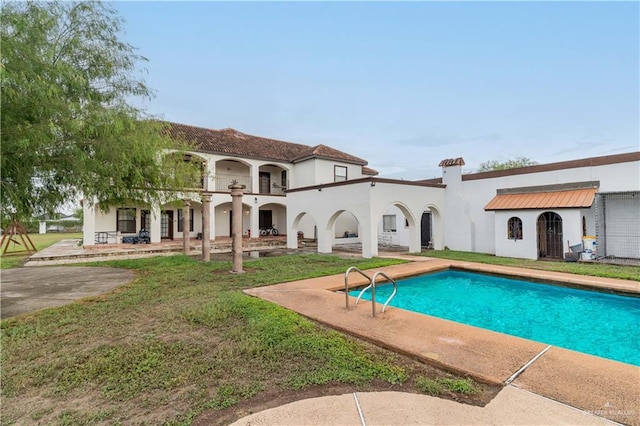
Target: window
145,219
339,173
389,223
126,220
514,228
190,220
283,179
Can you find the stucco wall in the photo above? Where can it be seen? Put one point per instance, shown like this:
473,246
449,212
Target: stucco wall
527,247
303,174
470,228
367,203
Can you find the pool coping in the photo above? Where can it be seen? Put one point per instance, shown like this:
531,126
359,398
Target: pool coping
601,386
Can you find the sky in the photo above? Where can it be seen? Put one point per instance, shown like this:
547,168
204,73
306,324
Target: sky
403,85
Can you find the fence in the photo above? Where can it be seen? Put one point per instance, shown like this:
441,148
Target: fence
618,224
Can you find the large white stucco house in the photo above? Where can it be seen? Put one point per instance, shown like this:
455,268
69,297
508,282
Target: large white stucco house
333,197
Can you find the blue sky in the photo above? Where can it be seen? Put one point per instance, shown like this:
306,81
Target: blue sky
401,84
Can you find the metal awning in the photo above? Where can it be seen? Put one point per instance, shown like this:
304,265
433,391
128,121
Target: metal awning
575,198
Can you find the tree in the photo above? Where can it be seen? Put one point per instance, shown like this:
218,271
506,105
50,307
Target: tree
514,163
67,126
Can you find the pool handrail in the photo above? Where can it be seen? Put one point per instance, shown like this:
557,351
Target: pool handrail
373,291
346,284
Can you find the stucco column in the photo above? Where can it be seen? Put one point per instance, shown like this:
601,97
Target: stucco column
292,237
254,224
154,231
206,227
88,223
185,227
325,240
415,232
369,237
236,228
255,179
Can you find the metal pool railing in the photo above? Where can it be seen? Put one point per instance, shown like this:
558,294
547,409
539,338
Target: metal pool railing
372,286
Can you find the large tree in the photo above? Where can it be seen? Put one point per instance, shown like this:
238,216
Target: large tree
68,127
491,165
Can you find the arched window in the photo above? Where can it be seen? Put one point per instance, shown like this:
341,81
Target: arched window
514,228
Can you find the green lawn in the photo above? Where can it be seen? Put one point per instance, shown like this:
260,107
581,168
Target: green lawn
13,258
593,269
183,339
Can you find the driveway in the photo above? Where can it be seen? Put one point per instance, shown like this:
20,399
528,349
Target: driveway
25,290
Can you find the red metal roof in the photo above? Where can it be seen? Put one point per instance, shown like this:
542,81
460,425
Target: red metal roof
543,200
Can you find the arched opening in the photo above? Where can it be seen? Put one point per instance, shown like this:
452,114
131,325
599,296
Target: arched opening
345,226
396,227
272,179
306,229
196,173
426,230
431,229
514,228
344,230
549,229
229,172
271,216
224,219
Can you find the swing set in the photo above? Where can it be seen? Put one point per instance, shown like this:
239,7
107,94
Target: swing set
11,234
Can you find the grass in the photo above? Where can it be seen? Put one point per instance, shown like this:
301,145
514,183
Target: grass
182,339
593,269
15,257
436,387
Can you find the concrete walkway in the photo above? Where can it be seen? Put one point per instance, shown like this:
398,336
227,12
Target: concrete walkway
26,290
512,406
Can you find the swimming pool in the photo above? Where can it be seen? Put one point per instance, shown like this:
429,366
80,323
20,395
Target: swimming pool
600,324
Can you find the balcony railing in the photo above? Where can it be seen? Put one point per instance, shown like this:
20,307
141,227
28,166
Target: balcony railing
278,189
224,180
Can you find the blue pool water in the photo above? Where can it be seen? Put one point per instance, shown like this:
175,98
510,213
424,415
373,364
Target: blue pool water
595,323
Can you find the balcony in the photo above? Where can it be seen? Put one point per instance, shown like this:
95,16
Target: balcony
224,180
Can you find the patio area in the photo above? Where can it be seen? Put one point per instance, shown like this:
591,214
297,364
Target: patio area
70,251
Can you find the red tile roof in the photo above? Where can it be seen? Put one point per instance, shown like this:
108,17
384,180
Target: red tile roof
234,142
543,200
369,171
448,162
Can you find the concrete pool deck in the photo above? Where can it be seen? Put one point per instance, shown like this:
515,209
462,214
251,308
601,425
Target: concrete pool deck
596,385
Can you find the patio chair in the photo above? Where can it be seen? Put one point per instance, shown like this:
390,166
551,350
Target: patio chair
143,237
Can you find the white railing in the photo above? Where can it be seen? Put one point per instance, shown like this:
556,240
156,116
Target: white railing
224,180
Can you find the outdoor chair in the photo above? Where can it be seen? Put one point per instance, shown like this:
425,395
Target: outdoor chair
143,237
